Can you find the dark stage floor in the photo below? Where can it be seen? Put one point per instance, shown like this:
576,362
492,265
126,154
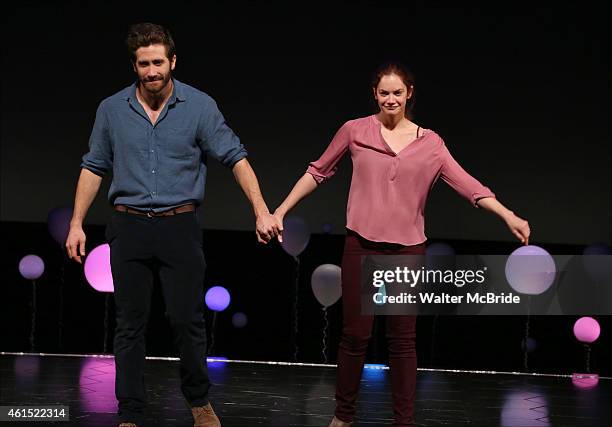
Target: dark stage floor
249,394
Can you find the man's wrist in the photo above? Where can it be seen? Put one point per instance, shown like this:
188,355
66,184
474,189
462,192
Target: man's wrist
76,223
261,211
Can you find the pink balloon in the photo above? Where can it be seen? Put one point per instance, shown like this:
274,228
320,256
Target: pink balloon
586,329
98,269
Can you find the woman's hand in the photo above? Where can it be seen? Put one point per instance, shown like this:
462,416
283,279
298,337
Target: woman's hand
519,227
279,219
267,227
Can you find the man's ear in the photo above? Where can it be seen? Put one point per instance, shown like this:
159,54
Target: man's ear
173,63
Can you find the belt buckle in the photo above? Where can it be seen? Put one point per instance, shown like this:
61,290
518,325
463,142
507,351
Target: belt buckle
150,214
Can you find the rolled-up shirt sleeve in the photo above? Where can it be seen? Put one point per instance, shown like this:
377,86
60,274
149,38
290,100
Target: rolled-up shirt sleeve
325,167
462,182
217,139
99,159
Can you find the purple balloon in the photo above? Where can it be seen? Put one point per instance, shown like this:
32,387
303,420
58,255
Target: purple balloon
31,267
98,269
586,329
58,223
296,235
529,344
597,261
530,270
443,249
239,320
217,298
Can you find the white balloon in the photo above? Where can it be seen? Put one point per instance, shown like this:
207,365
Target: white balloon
296,235
327,284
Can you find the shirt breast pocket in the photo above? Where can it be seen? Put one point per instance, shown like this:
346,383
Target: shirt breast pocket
179,143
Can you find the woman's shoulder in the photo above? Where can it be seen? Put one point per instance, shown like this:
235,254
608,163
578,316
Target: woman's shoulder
431,133
360,122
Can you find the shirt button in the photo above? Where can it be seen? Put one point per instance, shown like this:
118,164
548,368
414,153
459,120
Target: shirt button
153,171
153,193
152,151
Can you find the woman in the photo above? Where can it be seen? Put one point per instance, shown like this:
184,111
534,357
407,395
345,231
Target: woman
395,164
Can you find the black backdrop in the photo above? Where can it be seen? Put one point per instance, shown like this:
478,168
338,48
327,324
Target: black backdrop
520,94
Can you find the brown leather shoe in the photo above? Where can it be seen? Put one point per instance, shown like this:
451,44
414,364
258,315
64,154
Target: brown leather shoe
338,423
204,416
335,422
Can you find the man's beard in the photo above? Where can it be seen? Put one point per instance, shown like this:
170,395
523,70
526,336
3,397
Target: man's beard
156,88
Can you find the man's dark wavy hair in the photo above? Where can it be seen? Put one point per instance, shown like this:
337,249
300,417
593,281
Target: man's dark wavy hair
146,34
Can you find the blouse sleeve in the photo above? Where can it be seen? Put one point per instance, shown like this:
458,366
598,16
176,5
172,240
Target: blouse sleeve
462,182
325,167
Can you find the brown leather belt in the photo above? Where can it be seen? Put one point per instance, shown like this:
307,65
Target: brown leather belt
180,209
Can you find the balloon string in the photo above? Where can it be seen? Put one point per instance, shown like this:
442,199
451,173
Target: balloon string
587,349
325,334
106,304
60,323
33,327
295,308
212,333
525,341
433,341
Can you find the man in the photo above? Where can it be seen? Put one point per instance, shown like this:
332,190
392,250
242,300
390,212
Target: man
155,136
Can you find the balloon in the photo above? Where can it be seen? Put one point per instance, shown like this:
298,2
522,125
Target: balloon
440,256
326,284
530,344
530,270
296,235
439,249
586,329
58,223
597,260
98,269
239,320
217,298
31,267
327,228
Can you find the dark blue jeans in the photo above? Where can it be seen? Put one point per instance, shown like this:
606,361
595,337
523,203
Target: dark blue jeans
170,247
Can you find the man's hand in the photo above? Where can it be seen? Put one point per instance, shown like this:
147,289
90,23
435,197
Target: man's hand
75,243
267,227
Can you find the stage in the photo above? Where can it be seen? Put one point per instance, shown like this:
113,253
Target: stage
251,393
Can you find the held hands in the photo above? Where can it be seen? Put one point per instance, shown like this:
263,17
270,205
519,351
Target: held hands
279,218
268,227
519,227
75,243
